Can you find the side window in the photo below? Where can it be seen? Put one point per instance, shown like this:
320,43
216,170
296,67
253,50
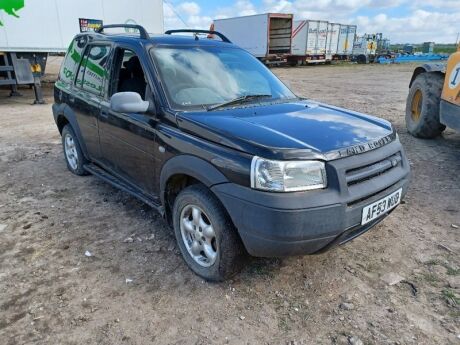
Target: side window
72,59
129,74
94,69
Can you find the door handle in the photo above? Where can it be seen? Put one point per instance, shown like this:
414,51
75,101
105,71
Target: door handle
71,98
104,114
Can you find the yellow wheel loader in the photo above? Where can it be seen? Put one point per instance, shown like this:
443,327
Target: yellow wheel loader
433,102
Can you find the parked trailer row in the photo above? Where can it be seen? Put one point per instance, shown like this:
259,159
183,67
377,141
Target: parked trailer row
275,37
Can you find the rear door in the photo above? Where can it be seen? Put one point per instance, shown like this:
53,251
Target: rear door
87,94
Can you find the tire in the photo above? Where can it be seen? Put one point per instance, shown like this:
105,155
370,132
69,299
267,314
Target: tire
362,59
73,155
422,106
226,247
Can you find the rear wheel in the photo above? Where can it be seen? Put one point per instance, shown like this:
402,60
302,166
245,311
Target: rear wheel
422,107
207,239
72,152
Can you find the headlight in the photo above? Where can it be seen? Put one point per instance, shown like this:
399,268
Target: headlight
287,176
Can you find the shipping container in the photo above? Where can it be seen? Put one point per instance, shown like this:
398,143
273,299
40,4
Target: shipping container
346,39
333,30
49,25
266,36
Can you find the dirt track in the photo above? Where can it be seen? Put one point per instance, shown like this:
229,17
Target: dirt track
141,292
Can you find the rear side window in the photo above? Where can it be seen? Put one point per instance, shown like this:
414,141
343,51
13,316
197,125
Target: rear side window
72,60
94,70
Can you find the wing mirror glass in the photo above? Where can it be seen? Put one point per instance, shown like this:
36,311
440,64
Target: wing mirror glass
128,102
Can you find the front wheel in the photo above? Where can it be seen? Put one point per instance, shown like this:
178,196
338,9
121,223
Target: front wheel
422,107
207,239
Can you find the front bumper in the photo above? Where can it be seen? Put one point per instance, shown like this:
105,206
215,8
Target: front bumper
285,224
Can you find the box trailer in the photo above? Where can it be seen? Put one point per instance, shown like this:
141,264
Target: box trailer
345,43
266,36
309,39
333,30
49,25
29,30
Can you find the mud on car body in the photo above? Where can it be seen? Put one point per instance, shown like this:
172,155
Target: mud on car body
207,135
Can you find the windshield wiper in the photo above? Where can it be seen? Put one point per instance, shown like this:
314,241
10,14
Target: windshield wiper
237,100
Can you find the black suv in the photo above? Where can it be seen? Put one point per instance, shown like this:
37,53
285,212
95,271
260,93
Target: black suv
203,132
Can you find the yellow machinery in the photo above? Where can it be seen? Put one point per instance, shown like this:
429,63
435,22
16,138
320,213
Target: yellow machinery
434,98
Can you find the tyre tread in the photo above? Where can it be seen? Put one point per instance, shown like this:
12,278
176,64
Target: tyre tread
429,125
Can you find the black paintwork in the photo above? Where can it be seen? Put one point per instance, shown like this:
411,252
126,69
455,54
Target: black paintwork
143,151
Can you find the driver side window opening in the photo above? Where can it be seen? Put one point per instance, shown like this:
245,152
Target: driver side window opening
129,74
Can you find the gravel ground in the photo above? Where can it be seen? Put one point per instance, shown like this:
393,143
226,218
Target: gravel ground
397,284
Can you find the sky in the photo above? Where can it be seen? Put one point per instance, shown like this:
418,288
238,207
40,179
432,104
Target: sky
402,21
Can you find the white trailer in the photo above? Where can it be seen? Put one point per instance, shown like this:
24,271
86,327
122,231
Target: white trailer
309,39
29,30
321,40
333,30
345,43
49,25
266,36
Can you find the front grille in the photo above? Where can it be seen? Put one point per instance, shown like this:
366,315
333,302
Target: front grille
382,191
370,171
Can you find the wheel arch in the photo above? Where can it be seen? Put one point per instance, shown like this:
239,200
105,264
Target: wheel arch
425,68
182,171
63,115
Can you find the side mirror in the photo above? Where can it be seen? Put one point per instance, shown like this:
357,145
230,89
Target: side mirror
128,102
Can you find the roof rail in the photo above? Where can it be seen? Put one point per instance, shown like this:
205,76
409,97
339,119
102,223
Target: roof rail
143,33
209,32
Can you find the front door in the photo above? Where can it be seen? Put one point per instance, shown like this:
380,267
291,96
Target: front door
127,139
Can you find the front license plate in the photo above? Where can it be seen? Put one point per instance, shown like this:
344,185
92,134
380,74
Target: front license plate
380,207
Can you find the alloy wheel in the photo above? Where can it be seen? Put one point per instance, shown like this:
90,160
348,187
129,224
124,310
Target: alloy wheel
71,151
198,235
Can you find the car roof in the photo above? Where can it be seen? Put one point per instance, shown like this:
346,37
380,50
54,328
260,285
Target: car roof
162,39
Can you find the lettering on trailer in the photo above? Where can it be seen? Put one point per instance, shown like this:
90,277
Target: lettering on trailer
11,7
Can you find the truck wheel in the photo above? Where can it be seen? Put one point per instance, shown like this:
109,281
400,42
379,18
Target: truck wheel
422,106
72,152
207,239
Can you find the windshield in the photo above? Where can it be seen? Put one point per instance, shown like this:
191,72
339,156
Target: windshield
199,77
